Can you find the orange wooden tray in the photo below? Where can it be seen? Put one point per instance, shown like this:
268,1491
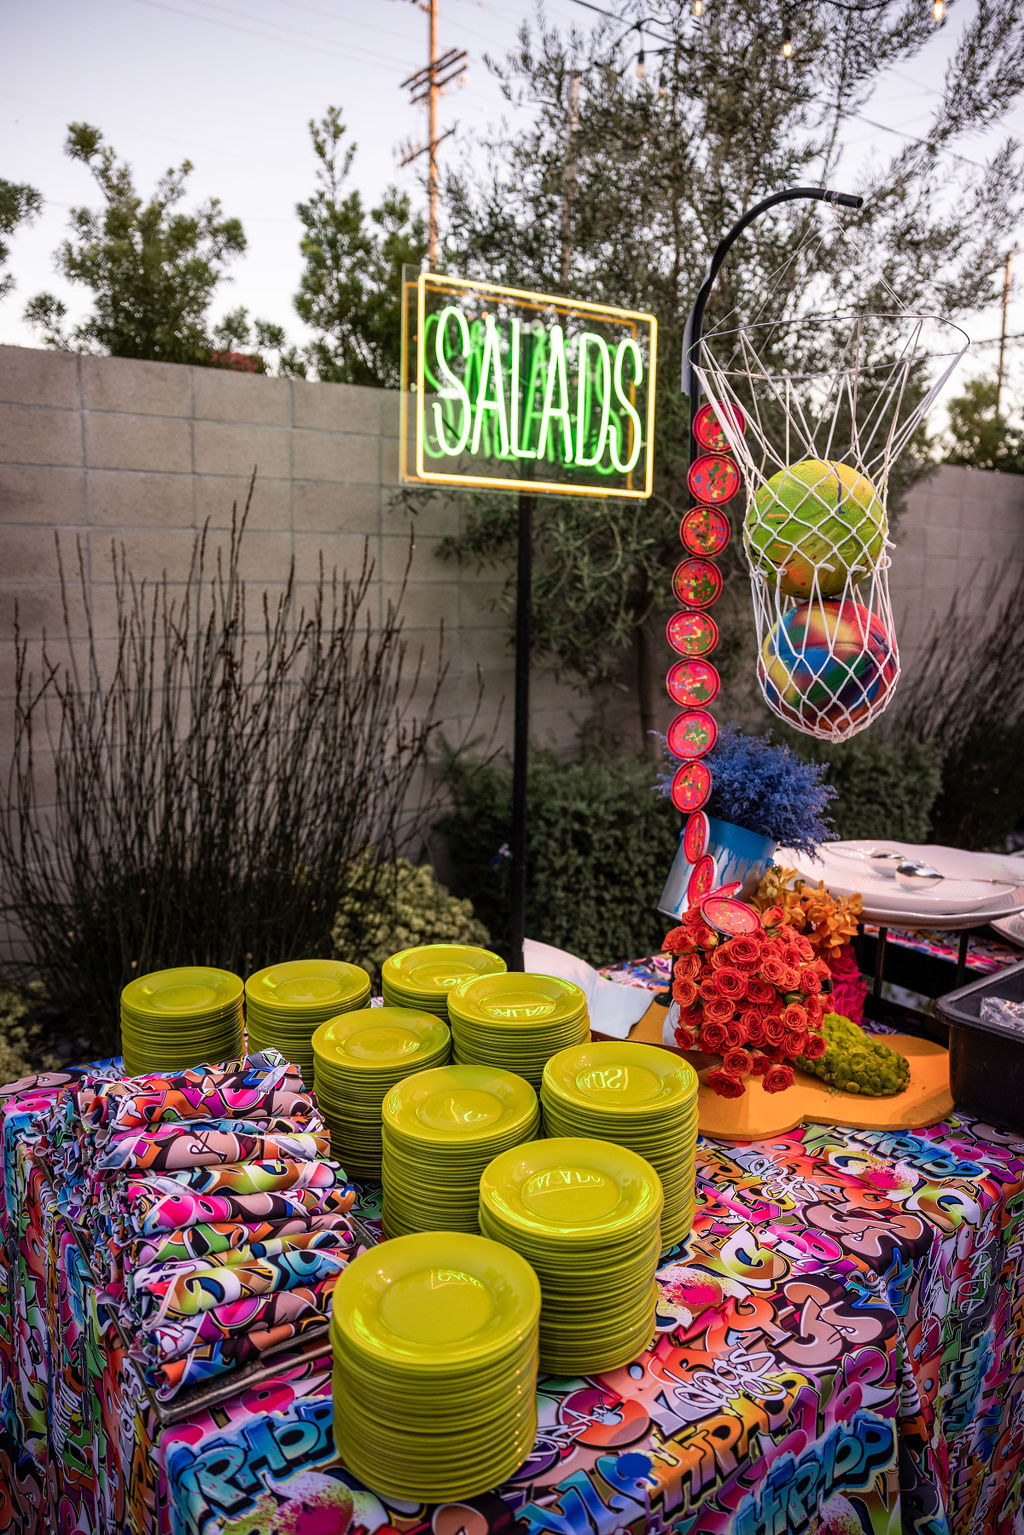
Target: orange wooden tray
759,1115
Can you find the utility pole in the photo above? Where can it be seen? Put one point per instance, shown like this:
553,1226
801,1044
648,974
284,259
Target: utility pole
569,181
425,86
1002,330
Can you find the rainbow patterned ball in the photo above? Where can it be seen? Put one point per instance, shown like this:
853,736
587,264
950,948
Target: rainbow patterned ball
826,665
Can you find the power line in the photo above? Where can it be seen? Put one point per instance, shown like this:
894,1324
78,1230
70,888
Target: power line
373,60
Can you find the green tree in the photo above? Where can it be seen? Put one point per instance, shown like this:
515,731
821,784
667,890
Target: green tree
622,197
152,268
349,292
244,345
982,437
19,204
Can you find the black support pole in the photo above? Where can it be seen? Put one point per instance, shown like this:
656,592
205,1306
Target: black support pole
695,323
524,582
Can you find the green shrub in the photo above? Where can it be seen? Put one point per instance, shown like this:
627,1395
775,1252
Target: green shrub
213,790
885,788
601,843
396,907
21,1048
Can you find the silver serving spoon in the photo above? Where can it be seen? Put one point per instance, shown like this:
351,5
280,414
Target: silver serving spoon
883,860
911,874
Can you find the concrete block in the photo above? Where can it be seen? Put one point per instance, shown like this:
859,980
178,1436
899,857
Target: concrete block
41,493
28,554
322,506
158,443
942,542
425,565
389,461
435,513
237,450
481,603
345,408
390,412
31,376
218,394
425,606
117,498
942,511
347,460
39,606
909,538
151,555
263,558
34,434
907,573
135,388
341,551
215,494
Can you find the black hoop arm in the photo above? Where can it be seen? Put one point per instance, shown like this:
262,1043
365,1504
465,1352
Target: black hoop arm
695,323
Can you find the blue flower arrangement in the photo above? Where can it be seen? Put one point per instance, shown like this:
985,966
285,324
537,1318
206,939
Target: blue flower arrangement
766,788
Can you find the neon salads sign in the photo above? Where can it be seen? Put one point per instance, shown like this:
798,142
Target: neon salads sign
512,389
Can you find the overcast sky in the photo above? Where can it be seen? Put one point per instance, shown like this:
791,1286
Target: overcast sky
232,84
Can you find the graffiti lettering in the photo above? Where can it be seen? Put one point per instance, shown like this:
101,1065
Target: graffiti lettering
848,1459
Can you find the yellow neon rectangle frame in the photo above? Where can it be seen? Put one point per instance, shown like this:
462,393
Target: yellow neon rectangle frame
569,306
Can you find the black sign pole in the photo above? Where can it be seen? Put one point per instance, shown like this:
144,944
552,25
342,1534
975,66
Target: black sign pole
521,729
695,322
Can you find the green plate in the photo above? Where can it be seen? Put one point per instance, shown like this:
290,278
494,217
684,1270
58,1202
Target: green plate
517,1000
572,1189
195,991
459,1105
516,1381
432,1304
432,969
622,1079
423,1484
379,1042
308,985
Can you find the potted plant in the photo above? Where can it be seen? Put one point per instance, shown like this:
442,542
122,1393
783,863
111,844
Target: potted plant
762,796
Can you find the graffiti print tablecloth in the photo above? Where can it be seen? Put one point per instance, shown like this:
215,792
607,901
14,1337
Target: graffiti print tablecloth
841,1350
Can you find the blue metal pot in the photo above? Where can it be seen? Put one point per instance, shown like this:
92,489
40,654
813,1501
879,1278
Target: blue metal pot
739,855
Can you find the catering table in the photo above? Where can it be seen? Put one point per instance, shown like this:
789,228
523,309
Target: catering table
840,1350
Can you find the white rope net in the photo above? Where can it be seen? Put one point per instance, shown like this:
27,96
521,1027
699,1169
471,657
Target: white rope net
815,449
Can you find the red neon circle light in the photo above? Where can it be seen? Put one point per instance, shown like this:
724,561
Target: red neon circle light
705,530
691,786
691,683
692,734
692,634
714,478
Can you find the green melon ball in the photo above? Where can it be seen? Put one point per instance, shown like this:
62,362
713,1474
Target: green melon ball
815,518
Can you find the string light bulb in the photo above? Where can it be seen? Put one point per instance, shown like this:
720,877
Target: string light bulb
698,8
641,66
938,9
787,47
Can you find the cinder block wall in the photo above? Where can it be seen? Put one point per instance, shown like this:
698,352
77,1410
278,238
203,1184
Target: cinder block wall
962,535
103,449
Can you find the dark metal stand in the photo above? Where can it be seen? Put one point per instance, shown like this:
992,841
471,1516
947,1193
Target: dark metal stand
695,323
524,619
926,974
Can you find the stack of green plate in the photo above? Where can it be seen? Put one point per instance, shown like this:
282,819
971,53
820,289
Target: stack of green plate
435,1366
357,1058
585,1215
286,1003
182,1017
639,1096
441,1128
516,1021
423,977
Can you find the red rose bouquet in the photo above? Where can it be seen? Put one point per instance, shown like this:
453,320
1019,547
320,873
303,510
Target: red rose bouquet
754,999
